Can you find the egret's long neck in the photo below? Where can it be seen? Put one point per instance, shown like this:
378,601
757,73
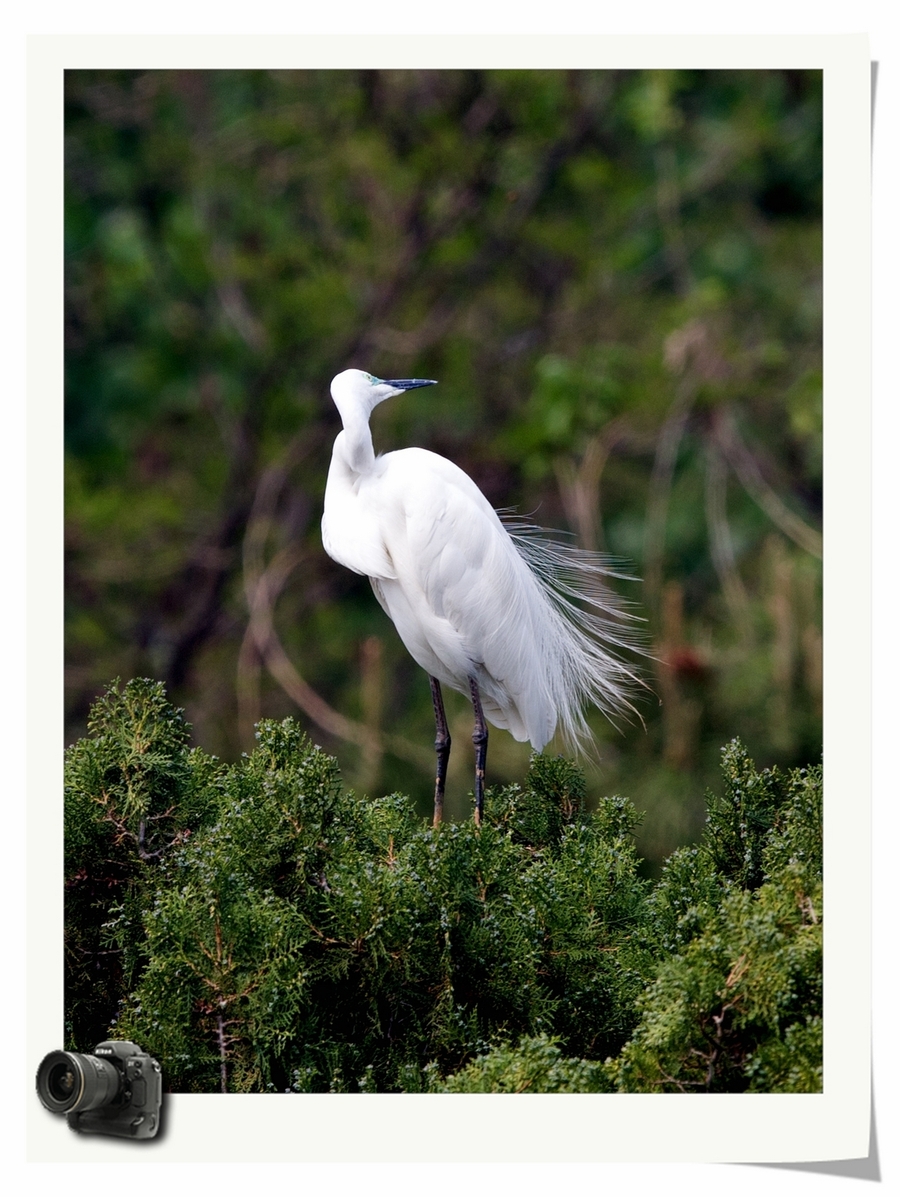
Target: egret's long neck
354,445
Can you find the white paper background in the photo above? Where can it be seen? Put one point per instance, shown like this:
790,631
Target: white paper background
664,1128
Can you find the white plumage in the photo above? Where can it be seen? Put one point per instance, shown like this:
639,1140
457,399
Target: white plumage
522,624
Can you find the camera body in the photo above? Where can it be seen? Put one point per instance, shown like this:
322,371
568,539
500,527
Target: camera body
116,1090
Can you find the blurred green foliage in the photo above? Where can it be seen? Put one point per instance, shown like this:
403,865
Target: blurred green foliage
616,278
284,934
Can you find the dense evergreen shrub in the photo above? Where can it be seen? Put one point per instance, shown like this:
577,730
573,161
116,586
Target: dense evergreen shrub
532,1066
134,791
259,928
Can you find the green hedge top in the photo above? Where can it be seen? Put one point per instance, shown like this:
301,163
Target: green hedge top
257,927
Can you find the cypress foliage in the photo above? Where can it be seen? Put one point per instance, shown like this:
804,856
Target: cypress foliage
259,928
736,928
134,792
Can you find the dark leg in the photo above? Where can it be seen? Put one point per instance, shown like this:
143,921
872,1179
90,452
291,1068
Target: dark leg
480,740
442,747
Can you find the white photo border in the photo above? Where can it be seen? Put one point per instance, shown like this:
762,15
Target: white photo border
542,1128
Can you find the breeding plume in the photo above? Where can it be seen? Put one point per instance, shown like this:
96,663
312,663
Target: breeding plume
523,625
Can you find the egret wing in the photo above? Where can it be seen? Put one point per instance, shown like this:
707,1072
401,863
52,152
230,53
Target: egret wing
464,601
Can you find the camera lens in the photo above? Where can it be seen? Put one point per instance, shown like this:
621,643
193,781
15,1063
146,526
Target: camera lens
69,1081
61,1082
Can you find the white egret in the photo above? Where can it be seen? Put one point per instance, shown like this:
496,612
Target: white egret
522,625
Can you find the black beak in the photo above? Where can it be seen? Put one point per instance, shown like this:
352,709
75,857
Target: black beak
407,384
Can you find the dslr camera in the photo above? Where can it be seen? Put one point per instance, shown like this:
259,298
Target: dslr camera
115,1091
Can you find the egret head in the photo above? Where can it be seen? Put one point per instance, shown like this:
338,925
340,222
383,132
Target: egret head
355,390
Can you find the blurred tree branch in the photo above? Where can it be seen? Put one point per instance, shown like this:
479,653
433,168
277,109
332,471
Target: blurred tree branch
720,541
746,465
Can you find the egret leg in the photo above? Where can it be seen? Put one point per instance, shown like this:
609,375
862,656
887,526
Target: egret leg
442,747
480,740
